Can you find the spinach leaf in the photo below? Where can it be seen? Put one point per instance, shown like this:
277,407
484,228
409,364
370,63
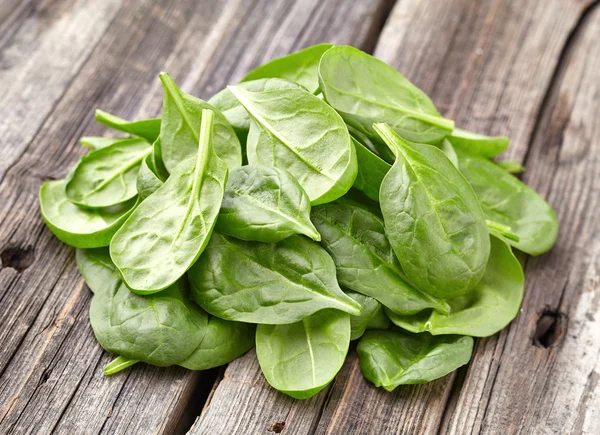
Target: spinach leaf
508,201
97,142
161,329
184,208
371,171
300,67
364,90
364,259
147,181
433,219
448,149
294,130
393,357
486,309
235,112
223,342
503,232
302,358
266,205
485,146
77,226
158,164
179,131
118,364
107,176
266,282
511,167
97,269
371,316
148,129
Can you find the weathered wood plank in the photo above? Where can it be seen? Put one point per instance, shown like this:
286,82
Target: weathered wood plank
50,365
489,66
552,386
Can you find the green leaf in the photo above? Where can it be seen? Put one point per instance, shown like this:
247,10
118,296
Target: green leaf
223,342
118,364
371,315
300,67
485,146
77,226
266,282
448,149
501,231
165,235
233,109
294,130
161,329
508,201
371,171
486,309
180,128
266,205
393,357
148,129
302,358
147,181
365,262
511,167
433,219
107,176
158,164
97,142
364,90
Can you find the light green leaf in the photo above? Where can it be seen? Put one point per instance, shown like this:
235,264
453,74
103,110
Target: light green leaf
371,316
486,146
148,129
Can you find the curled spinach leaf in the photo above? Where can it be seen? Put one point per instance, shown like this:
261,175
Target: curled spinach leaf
147,181
300,359
300,67
364,90
486,309
185,207
508,201
371,316
394,357
371,171
485,146
77,226
179,133
364,259
107,176
223,342
266,282
264,204
433,219
294,130
148,129
161,329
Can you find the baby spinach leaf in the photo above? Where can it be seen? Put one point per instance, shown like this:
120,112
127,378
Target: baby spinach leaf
510,166
364,259
235,112
486,309
107,176
266,282
364,90
302,358
179,131
485,146
371,170
118,364
433,219
158,164
393,357
223,342
501,231
97,142
508,201
77,226
294,130
161,329
448,149
264,204
147,181
300,67
148,129
184,208
371,316
97,269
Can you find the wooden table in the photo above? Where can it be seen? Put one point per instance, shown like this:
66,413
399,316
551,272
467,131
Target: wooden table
528,69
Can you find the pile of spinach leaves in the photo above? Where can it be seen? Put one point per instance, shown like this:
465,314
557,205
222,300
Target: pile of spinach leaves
321,200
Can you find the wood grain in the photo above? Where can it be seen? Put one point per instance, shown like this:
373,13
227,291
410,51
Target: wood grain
51,377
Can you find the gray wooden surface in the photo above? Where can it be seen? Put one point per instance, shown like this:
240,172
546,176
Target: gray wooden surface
523,68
